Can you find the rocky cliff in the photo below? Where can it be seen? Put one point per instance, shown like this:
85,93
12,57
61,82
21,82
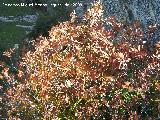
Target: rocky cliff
147,11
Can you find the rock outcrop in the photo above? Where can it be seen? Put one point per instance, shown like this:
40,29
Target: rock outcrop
147,11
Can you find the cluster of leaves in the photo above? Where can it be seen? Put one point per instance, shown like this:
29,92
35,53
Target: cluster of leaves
87,71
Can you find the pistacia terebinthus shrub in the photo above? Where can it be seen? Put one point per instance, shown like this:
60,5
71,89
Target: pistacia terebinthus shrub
87,71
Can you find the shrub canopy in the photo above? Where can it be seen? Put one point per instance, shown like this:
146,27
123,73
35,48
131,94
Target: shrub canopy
85,70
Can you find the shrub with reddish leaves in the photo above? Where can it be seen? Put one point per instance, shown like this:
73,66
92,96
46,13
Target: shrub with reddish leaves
87,71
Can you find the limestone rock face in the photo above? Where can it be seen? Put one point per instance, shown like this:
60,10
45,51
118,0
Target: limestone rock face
147,11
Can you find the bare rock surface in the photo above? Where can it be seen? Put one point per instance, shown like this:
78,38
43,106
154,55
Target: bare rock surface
147,11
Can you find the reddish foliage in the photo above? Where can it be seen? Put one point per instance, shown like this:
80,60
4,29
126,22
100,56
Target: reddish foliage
85,66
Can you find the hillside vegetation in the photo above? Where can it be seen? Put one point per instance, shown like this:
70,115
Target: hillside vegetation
86,71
